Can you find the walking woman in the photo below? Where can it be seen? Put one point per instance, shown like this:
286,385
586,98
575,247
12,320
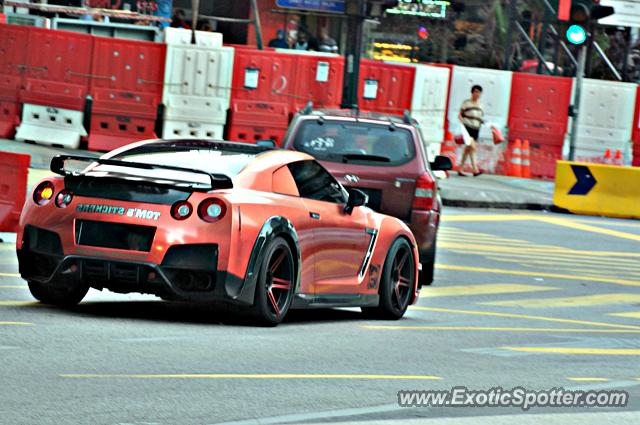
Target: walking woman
472,117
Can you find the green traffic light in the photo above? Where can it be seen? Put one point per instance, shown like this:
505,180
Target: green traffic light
576,34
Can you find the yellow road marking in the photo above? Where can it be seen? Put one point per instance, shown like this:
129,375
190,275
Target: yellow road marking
588,379
16,323
632,314
15,303
497,288
249,376
550,220
539,274
627,223
13,286
588,228
497,329
587,269
581,301
496,217
546,250
9,275
524,316
570,350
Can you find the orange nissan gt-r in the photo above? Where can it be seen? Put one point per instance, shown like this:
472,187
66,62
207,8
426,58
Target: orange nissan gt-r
263,229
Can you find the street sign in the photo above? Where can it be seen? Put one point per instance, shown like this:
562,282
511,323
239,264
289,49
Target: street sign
627,13
333,6
584,180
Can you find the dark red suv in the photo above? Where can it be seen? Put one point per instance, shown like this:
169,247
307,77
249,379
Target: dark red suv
383,156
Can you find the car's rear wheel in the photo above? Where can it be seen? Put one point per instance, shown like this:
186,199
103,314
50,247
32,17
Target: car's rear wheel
397,282
63,295
275,285
428,262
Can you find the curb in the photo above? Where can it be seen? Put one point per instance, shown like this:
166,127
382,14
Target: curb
531,206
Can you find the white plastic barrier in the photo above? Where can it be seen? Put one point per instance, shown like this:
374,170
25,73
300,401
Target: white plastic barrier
197,86
429,101
182,37
51,126
191,130
496,95
605,119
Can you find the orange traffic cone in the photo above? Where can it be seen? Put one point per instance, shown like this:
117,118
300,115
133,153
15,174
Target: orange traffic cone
515,165
526,160
617,160
607,157
449,149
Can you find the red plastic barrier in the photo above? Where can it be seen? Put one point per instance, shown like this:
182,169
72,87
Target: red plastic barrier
58,68
538,109
14,169
247,133
318,79
3,18
13,60
9,119
384,87
109,131
263,85
127,76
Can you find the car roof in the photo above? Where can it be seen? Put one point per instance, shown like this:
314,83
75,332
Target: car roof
356,114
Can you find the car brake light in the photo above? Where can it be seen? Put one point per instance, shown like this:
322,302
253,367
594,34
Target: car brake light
211,210
425,192
181,210
43,193
64,198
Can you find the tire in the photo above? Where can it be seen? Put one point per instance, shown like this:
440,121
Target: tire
275,284
428,266
64,296
396,284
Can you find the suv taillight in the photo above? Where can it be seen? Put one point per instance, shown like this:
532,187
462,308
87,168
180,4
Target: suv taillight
425,193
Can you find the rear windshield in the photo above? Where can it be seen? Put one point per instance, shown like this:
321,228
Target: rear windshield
199,156
355,142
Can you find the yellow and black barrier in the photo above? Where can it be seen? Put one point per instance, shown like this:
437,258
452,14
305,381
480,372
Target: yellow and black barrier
597,189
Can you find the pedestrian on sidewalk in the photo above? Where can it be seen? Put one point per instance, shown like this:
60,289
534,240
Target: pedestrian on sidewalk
472,117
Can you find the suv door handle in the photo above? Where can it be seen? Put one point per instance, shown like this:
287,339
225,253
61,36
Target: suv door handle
314,215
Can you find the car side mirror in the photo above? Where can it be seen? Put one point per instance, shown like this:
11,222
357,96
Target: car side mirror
441,163
357,198
267,143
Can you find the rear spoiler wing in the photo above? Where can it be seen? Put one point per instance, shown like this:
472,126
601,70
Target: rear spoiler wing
217,181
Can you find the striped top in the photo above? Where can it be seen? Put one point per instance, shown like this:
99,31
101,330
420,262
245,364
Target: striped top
472,114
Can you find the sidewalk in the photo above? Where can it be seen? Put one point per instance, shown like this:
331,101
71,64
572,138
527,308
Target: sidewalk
40,155
490,191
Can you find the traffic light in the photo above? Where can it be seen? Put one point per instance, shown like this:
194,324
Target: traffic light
581,14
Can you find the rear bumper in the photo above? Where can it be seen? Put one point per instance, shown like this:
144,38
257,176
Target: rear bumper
424,226
188,272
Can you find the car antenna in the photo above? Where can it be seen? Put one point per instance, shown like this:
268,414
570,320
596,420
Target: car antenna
406,117
308,108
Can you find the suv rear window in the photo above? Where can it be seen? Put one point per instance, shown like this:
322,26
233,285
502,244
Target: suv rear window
355,142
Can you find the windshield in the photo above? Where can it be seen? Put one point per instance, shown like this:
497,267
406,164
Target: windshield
378,144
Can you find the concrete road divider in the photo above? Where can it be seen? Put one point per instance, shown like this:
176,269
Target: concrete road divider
14,169
597,189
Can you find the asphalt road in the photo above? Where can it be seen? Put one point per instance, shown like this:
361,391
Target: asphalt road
520,300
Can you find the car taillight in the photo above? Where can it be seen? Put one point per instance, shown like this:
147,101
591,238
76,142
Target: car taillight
425,192
64,198
181,210
211,210
43,193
